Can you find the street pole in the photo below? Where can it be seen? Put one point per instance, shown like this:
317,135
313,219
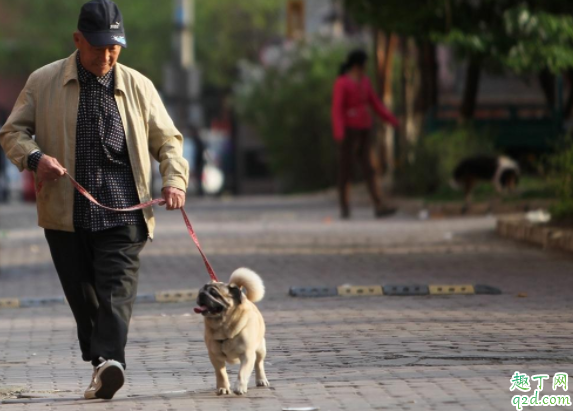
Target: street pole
182,79
184,19
181,75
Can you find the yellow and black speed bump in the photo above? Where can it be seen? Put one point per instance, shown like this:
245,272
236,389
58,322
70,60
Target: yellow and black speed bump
313,291
350,290
451,289
486,289
9,303
393,290
145,298
41,302
406,290
176,296
181,296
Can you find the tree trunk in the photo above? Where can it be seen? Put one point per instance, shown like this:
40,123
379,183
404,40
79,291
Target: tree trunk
384,48
428,97
568,106
547,83
411,79
403,130
471,90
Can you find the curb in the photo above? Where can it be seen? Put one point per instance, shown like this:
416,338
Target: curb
550,238
167,296
393,290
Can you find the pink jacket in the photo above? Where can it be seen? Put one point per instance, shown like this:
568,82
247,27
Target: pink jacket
350,103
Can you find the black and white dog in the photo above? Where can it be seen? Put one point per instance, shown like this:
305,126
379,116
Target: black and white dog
503,172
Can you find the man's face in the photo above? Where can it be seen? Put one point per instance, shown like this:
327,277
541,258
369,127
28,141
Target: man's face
97,60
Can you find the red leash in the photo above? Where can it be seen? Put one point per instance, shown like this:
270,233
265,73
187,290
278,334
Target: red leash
158,201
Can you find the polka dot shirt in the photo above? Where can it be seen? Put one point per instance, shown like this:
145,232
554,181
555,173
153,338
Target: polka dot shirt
102,160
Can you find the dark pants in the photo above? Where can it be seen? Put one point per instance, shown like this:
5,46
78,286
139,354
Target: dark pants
356,144
98,272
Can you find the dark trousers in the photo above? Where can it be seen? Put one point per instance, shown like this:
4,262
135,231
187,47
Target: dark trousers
356,145
98,272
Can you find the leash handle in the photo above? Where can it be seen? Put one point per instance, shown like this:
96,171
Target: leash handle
158,201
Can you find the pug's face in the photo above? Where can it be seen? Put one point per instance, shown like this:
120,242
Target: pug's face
215,299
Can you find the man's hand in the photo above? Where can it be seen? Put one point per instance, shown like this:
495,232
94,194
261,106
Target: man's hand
174,197
49,169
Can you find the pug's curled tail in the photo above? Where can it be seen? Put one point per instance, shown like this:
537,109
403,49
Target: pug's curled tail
250,282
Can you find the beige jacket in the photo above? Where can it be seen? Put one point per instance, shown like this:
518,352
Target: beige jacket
47,108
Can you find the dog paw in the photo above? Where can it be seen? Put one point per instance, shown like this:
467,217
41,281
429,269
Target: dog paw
223,391
239,388
263,382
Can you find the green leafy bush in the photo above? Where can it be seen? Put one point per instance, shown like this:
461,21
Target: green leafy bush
560,178
288,104
416,172
427,166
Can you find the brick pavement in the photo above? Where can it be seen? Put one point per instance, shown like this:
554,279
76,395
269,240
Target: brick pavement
365,353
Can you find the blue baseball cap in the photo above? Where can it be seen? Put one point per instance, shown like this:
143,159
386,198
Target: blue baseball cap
101,23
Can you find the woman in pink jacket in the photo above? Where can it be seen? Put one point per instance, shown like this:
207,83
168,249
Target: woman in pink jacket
352,124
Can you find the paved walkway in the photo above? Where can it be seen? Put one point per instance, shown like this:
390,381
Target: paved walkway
340,353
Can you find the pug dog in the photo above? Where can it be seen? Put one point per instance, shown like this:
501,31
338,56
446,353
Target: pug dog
235,329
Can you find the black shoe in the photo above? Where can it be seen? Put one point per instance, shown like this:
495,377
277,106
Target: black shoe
381,212
345,214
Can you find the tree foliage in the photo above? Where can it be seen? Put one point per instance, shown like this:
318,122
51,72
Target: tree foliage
522,35
36,32
411,18
540,40
228,31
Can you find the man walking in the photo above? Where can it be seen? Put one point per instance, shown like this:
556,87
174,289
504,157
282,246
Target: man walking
97,120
